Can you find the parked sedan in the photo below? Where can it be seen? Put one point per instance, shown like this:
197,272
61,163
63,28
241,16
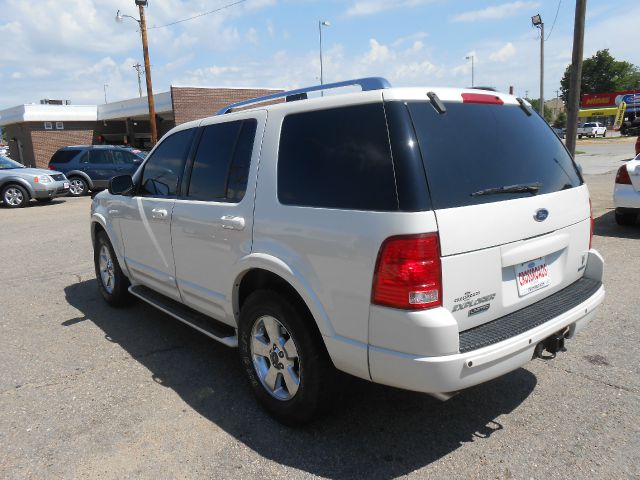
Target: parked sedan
626,194
19,184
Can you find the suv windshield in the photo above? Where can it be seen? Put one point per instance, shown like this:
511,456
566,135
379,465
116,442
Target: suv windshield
478,153
7,163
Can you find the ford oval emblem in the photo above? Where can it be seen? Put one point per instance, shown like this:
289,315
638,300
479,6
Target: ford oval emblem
541,215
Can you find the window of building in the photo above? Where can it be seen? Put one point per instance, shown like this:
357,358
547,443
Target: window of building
337,158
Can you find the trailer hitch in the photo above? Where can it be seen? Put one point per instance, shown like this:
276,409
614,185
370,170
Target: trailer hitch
552,345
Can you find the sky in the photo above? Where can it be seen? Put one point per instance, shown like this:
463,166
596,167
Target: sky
69,49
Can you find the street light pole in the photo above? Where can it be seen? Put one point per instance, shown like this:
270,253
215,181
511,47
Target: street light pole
147,67
472,58
537,22
322,23
105,92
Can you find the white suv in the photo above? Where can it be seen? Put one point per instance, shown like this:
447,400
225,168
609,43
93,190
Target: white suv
427,239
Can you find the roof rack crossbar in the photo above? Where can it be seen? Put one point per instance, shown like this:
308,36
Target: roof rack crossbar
367,84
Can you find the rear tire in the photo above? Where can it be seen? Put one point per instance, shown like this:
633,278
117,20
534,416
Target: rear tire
112,282
625,219
77,187
284,358
14,196
580,137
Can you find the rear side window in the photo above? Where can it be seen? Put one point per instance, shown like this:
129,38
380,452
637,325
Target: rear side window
100,157
221,166
121,157
475,147
164,168
64,156
337,158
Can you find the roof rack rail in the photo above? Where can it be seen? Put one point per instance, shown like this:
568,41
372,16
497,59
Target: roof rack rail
367,84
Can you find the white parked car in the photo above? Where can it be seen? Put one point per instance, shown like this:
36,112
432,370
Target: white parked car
626,193
357,232
592,129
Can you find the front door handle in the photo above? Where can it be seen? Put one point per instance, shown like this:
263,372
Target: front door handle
159,213
231,222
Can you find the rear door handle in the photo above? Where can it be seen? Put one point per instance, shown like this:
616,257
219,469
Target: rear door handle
159,213
231,222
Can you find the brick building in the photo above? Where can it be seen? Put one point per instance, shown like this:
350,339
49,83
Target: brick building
36,131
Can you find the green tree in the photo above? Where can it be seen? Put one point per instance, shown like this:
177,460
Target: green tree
561,120
602,73
535,103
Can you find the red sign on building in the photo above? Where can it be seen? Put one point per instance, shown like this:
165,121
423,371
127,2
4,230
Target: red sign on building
603,100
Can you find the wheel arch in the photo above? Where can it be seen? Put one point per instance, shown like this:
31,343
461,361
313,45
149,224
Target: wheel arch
81,174
98,224
18,181
266,272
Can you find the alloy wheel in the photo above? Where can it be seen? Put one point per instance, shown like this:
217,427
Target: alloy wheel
107,276
275,358
13,196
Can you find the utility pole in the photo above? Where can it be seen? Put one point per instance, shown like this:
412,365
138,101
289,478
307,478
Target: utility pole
576,76
147,70
139,70
536,20
105,92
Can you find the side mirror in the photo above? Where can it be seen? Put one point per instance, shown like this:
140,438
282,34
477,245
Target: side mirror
121,185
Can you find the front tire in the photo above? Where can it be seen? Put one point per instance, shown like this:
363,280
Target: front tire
77,187
112,282
14,196
284,358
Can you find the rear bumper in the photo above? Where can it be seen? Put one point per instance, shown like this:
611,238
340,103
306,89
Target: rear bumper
624,196
450,373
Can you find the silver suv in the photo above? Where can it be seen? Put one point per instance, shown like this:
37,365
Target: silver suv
428,239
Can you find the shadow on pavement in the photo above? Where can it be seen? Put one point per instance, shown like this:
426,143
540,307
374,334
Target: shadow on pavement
372,431
606,226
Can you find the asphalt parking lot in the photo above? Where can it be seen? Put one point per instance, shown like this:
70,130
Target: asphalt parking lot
87,391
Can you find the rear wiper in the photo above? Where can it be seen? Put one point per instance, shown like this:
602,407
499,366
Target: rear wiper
523,188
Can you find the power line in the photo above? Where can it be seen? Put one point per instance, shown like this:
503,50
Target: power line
197,16
554,19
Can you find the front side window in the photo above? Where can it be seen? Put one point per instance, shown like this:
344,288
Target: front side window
337,158
121,157
221,166
164,167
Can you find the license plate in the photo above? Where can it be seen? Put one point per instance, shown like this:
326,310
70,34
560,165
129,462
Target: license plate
531,276
66,184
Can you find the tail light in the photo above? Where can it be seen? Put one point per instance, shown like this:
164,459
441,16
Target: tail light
51,167
622,177
591,224
408,273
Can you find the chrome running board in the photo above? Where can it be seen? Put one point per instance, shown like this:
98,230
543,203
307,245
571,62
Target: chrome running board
212,328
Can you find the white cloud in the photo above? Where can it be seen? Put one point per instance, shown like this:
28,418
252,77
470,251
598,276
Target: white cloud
377,52
505,53
370,7
495,12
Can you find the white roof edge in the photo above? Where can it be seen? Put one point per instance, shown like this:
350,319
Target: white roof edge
48,113
134,107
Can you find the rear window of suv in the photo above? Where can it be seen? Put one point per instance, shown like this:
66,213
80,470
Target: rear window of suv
476,147
63,156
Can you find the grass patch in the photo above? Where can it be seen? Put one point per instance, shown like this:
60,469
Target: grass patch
580,152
